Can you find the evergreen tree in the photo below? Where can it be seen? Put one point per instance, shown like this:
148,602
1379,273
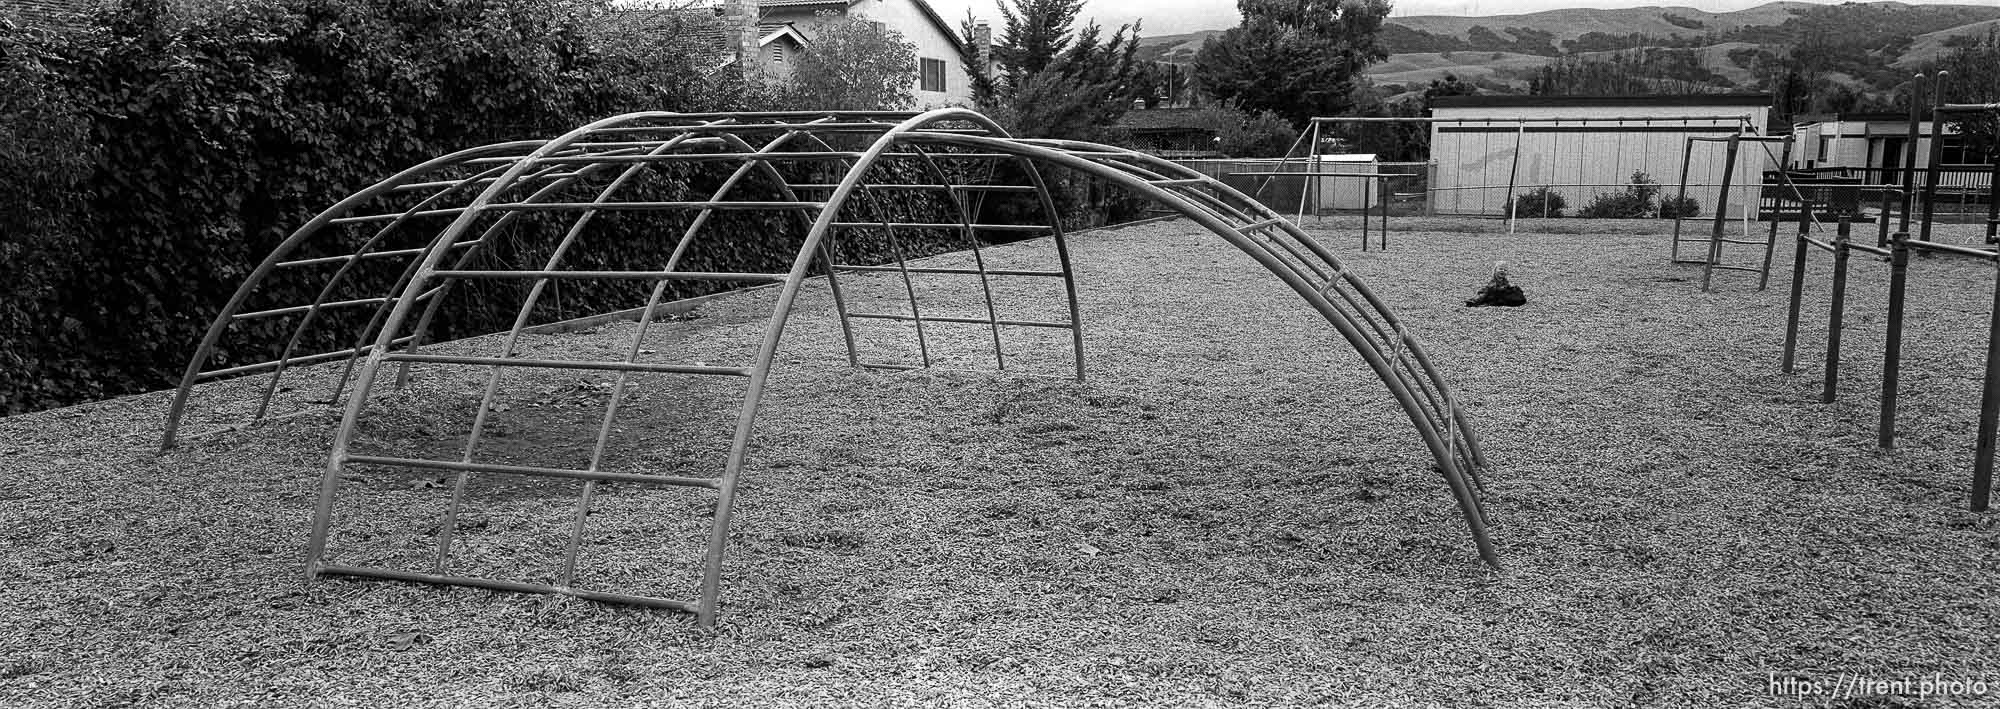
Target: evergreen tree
1297,58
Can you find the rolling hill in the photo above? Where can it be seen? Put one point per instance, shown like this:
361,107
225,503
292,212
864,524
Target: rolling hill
1868,45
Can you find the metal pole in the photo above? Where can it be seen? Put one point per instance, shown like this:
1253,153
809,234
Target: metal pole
1892,345
1514,172
1993,198
1430,187
1989,408
1687,156
1882,223
1798,288
1721,216
1835,313
1382,185
1312,165
1771,238
1936,156
1910,152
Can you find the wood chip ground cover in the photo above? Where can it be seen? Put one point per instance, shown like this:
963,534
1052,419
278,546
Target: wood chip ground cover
1229,512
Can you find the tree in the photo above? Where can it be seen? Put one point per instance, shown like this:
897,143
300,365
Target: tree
1296,58
854,65
1052,80
1970,78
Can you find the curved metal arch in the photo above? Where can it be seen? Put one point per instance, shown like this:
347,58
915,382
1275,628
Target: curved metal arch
1444,445
1300,262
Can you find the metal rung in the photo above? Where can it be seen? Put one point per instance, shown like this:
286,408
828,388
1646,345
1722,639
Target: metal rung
1179,181
498,585
536,471
346,258
453,211
647,206
676,157
1254,226
570,364
420,186
1726,241
275,312
297,361
955,271
1752,269
1952,249
959,156
367,256
632,275
960,188
897,367
926,225
968,321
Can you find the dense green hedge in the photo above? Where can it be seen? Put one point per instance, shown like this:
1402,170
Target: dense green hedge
162,151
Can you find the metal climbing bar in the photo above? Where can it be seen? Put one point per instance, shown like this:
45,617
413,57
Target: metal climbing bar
764,162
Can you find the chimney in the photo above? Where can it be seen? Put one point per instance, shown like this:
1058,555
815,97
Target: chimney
739,23
982,44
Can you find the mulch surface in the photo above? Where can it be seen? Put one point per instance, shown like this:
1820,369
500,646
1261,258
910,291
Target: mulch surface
1228,511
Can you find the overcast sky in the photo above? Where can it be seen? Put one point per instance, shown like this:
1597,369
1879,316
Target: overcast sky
1164,17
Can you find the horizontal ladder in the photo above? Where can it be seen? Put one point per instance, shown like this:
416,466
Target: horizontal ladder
533,471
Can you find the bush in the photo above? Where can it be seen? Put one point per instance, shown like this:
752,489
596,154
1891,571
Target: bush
169,147
1240,134
1633,202
1679,207
1539,202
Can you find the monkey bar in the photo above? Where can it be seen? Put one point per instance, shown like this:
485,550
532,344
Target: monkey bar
371,283
1896,250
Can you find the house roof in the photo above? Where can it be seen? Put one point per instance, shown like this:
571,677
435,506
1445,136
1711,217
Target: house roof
1507,101
43,13
703,27
930,13
769,32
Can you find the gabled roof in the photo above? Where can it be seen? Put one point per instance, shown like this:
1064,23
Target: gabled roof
930,13
772,32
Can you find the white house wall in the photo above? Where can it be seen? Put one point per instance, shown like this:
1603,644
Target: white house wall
1584,159
932,42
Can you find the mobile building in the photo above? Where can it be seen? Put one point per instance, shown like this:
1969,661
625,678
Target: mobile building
1871,148
1484,148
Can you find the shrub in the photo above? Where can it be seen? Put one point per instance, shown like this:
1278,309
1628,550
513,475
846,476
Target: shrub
1539,202
170,147
1241,134
1633,202
1679,207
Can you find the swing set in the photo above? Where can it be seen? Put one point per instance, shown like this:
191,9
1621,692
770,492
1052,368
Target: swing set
1480,166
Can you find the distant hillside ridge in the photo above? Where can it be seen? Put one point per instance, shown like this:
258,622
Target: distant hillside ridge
1867,47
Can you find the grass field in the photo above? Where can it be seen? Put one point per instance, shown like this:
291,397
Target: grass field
1230,511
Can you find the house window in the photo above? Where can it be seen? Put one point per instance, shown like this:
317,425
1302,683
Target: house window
932,71
777,54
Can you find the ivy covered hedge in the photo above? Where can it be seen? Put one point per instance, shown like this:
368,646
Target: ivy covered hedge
162,150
